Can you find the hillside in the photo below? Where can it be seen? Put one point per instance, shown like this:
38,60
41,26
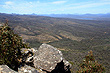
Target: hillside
73,37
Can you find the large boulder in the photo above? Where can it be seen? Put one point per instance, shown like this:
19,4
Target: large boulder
47,57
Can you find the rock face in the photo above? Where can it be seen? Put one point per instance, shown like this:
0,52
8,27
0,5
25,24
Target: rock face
47,57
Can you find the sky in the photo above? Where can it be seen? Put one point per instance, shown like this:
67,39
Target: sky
55,6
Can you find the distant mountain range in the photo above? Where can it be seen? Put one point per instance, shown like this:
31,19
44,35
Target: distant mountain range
75,16
78,16
82,16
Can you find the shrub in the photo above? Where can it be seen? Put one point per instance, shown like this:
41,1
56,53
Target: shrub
10,45
90,65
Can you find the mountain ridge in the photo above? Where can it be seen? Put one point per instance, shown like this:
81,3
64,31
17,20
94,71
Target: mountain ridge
81,16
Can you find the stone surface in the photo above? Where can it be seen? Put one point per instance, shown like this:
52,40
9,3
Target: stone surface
6,69
47,57
24,69
27,69
25,50
28,56
1,24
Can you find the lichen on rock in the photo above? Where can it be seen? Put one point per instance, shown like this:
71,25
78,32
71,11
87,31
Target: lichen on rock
47,58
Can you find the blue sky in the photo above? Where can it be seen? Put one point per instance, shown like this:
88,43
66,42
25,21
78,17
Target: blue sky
55,6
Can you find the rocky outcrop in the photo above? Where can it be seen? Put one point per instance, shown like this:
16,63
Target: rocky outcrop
28,56
47,57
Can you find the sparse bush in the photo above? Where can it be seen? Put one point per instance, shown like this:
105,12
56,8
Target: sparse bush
90,65
10,45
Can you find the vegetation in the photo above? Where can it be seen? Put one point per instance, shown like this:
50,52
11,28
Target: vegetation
10,45
90,65
73,37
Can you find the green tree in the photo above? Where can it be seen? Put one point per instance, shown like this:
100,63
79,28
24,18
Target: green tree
10,45
90,65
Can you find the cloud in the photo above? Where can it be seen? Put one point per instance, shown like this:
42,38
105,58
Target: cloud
105,0
93,5
86,5
59,2
8,3
23,7
82,5
38,1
